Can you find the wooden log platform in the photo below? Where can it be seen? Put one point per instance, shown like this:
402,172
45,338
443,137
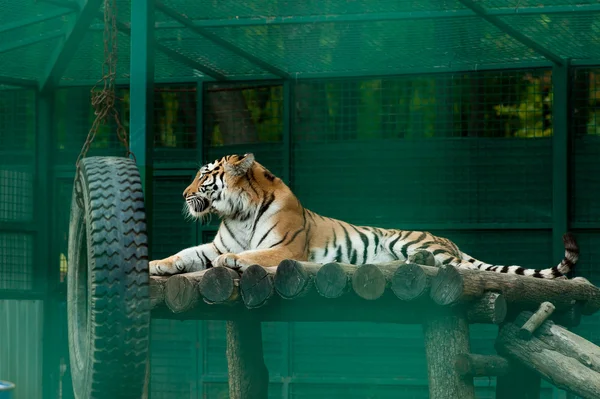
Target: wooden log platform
406,291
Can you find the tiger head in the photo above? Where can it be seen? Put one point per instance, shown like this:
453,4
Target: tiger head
219,187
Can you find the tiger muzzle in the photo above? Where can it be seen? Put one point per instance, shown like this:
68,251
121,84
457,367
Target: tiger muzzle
198,204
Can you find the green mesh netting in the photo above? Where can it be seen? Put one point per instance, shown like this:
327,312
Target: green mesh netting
309,38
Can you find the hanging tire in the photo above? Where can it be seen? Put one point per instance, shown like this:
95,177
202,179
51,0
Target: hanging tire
107,281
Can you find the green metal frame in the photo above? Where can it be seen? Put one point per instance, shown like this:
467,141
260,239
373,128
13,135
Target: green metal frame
30,41
376,17
45,256
509,30
188,23
19,82
74,35
561,79
141,126
36,20
174,55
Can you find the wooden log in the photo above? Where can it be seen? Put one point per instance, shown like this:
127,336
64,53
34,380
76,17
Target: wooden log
333,279
411,281
519,383
220,285
491,308
294,279
157,290
536,320
446,337
553,362
181,291
248,374
561,340
451,286
256,285
369,281
474,365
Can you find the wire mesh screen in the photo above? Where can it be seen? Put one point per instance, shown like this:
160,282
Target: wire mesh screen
240,119
17,173
74,116
175,121
585,188
445,149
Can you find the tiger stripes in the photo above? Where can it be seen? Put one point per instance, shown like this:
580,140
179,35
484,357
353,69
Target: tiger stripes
263,222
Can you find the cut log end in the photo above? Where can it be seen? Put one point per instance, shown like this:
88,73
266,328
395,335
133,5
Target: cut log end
157,290
369,282
181,291
256,286
291,279
220,285
331,280
410,282
447,287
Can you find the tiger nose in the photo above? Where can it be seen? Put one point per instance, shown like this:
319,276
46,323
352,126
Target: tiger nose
186,193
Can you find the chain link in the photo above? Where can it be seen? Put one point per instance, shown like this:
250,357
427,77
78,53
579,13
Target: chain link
104,99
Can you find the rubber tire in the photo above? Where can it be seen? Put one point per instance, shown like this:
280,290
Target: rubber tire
108,261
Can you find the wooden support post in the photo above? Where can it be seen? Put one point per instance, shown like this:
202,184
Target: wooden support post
446,337
473,365
257,285
220,285
181,291
248,374
536,320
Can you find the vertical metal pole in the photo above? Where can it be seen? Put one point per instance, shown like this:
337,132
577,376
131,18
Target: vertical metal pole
288,101
141,134
199,142
287,132
560,150
47,272
201,337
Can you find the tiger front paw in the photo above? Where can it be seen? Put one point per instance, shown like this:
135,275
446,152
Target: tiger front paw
166,267
231,261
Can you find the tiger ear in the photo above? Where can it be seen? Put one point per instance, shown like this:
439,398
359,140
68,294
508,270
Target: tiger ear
240,166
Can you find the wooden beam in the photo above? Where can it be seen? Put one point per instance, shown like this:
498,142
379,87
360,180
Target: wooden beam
564,359
451,286
474,365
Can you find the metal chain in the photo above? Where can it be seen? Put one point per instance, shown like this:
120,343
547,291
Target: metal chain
103,100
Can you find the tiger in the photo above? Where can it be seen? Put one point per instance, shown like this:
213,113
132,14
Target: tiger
263,223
